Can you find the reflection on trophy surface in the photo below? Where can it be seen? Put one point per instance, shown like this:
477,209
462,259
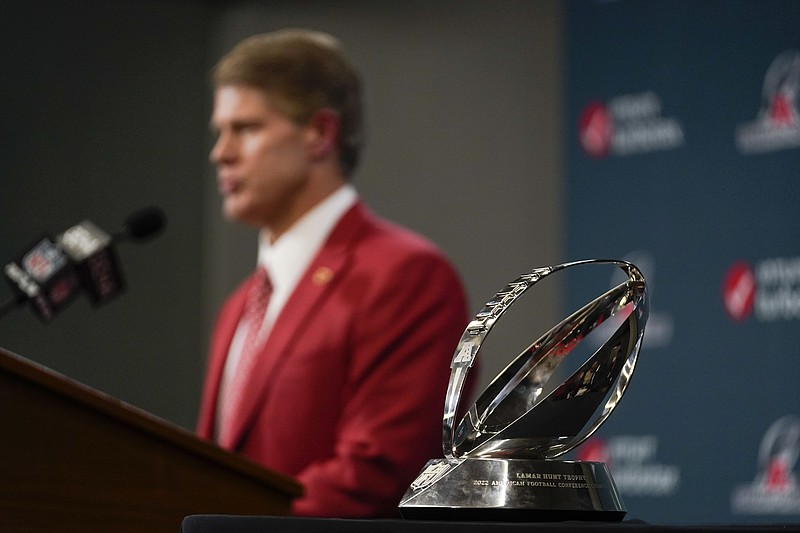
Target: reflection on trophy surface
499,460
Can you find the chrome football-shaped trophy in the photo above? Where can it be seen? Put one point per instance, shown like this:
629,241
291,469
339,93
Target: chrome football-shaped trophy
500,459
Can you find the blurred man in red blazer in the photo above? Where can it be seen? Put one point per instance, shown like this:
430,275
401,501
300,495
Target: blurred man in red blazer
330,363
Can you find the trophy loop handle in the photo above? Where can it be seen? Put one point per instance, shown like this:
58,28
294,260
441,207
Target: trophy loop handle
477,330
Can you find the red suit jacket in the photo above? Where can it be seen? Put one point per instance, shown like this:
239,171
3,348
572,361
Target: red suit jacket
348,393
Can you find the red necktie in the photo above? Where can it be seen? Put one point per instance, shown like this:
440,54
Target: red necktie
252,319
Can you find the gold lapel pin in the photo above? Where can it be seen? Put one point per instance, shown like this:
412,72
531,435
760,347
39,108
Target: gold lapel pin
322,275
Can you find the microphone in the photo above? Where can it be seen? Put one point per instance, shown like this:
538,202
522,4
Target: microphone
54,270
142,224
44,276
92,251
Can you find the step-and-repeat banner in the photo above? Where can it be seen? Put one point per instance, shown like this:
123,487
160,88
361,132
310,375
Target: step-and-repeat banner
684,157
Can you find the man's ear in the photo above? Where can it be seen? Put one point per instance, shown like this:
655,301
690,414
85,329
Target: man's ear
323,133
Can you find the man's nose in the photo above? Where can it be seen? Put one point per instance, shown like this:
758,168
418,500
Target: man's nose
223,149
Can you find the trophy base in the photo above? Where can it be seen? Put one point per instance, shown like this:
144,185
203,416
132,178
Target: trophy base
513,490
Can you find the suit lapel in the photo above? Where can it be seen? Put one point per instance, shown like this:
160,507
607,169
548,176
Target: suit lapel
319,280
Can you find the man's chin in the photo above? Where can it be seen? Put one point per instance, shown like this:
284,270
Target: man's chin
235,213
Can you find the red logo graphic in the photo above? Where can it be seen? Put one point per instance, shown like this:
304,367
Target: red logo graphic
777,126
38,264
781,112
594,449
775,489
781,86
596,129
739,291
777,476
61,291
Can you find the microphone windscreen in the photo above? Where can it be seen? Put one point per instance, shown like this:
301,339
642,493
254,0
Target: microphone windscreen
146,222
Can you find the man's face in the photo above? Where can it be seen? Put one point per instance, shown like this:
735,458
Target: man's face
261,158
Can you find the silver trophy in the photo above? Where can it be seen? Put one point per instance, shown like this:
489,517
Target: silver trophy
499,462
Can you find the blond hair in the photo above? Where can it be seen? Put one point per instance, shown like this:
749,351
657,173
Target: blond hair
301,71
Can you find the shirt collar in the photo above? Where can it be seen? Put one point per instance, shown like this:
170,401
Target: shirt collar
288,257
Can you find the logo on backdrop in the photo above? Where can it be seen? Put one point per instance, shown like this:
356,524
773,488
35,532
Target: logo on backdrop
628,124
777,125
770,292
632,461
775,489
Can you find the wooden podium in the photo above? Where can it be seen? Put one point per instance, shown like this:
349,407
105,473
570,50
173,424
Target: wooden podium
74,459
